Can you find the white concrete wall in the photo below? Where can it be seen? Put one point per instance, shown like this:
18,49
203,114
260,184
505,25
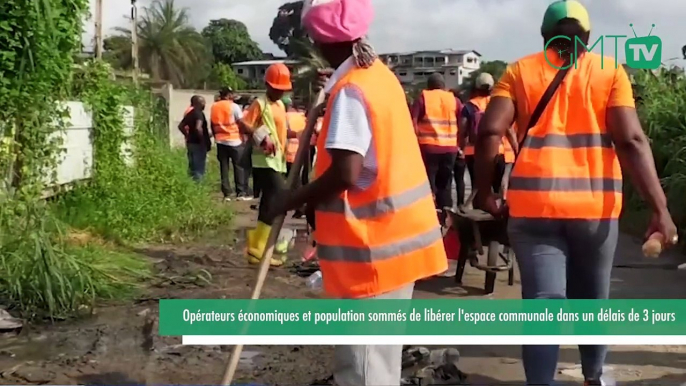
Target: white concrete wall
75,162
178,101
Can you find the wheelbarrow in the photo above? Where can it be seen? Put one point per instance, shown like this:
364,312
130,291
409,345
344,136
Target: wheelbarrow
477,230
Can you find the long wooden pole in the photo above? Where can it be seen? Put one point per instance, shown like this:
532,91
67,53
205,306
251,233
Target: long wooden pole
98,29
134,40
293,178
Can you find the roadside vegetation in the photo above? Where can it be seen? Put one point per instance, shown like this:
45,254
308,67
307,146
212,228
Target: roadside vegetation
59,257
661,102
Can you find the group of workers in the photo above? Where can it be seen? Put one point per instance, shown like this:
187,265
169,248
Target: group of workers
261,141
383,170
446,131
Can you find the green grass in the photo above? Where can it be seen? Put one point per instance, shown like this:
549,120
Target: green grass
662,110
153,202
41,275
76,253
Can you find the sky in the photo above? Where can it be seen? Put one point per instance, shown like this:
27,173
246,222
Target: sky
498,29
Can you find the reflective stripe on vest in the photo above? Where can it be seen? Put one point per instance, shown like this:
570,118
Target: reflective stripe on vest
224,125
439,125
386,236
567,167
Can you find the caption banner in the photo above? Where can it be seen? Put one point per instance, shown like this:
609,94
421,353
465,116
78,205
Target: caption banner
421,317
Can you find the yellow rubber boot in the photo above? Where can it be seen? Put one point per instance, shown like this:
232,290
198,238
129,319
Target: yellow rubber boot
257,242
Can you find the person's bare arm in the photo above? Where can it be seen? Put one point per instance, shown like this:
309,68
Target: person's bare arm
463,124
198,128
244,128
635,155
497,118
417,111
341,175
512,138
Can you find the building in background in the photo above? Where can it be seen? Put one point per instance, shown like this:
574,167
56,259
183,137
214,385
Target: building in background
413,68
253,71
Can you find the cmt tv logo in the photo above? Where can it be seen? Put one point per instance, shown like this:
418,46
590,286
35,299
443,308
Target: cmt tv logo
642,53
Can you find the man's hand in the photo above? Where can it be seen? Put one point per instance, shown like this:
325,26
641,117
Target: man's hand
460,154
322,78
268,146
661,222
487,202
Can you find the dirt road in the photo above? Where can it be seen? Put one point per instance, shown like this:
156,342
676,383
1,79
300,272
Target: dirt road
120,345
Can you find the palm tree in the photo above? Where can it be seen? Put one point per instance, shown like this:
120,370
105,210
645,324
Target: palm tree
169,48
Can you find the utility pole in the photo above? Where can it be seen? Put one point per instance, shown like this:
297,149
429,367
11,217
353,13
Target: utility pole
98,29
134,40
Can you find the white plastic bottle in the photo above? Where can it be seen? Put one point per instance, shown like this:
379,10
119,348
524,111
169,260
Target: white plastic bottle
314,282
444,356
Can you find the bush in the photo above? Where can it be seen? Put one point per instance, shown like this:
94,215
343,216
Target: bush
662,109
43,276
152,200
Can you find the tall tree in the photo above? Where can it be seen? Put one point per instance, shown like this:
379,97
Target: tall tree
117,52
169,48
230,41
222,75
286,28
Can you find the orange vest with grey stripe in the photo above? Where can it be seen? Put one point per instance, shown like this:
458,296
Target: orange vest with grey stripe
380,239
567,167
224,125
438,127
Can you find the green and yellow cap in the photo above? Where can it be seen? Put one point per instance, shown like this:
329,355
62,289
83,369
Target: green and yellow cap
565,9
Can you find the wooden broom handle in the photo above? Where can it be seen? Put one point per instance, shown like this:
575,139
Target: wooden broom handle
293,177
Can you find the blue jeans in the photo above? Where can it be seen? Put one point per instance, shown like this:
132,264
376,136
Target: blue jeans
197,159
561,259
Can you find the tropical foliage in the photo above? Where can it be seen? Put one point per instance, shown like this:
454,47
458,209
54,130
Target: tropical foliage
230,41
287,30
170,49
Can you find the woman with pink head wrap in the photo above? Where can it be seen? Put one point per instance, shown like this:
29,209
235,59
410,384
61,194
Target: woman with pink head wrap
367,156
339,27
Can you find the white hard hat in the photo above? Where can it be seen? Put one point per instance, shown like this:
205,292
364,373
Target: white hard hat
484,80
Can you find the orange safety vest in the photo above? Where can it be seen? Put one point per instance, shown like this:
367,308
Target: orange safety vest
439,125
384,237
296,122
224,125
481,103
567,167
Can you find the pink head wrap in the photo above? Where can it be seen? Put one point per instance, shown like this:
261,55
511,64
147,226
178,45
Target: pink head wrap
336,21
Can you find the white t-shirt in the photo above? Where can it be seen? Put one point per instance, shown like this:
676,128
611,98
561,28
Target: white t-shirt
350,128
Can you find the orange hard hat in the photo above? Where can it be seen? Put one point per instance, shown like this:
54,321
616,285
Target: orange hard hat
278,76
